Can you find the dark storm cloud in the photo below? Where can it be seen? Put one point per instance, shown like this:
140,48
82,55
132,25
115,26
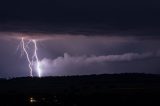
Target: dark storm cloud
44,29
89,17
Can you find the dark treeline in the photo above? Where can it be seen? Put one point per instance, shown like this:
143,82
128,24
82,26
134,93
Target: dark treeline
81,90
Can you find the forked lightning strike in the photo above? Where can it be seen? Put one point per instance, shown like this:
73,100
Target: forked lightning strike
27,55
25,47
36,57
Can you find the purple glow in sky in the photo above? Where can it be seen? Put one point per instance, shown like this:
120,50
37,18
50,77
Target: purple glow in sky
68,54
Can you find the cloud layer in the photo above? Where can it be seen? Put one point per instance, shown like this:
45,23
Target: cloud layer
72,65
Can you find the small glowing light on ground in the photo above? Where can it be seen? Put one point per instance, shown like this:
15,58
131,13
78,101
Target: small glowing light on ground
32,100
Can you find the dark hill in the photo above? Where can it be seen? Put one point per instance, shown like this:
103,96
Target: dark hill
86,90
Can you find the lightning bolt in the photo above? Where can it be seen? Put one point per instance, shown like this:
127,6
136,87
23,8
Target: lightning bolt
25,47
27,55
36,57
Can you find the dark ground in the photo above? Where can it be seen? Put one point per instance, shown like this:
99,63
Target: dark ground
97,90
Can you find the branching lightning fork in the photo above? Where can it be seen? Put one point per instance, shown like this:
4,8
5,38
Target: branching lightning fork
25,47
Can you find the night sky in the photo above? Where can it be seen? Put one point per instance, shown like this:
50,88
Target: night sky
79,37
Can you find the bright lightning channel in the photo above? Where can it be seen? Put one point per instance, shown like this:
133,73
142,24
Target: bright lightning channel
37,59
25,46
27,55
